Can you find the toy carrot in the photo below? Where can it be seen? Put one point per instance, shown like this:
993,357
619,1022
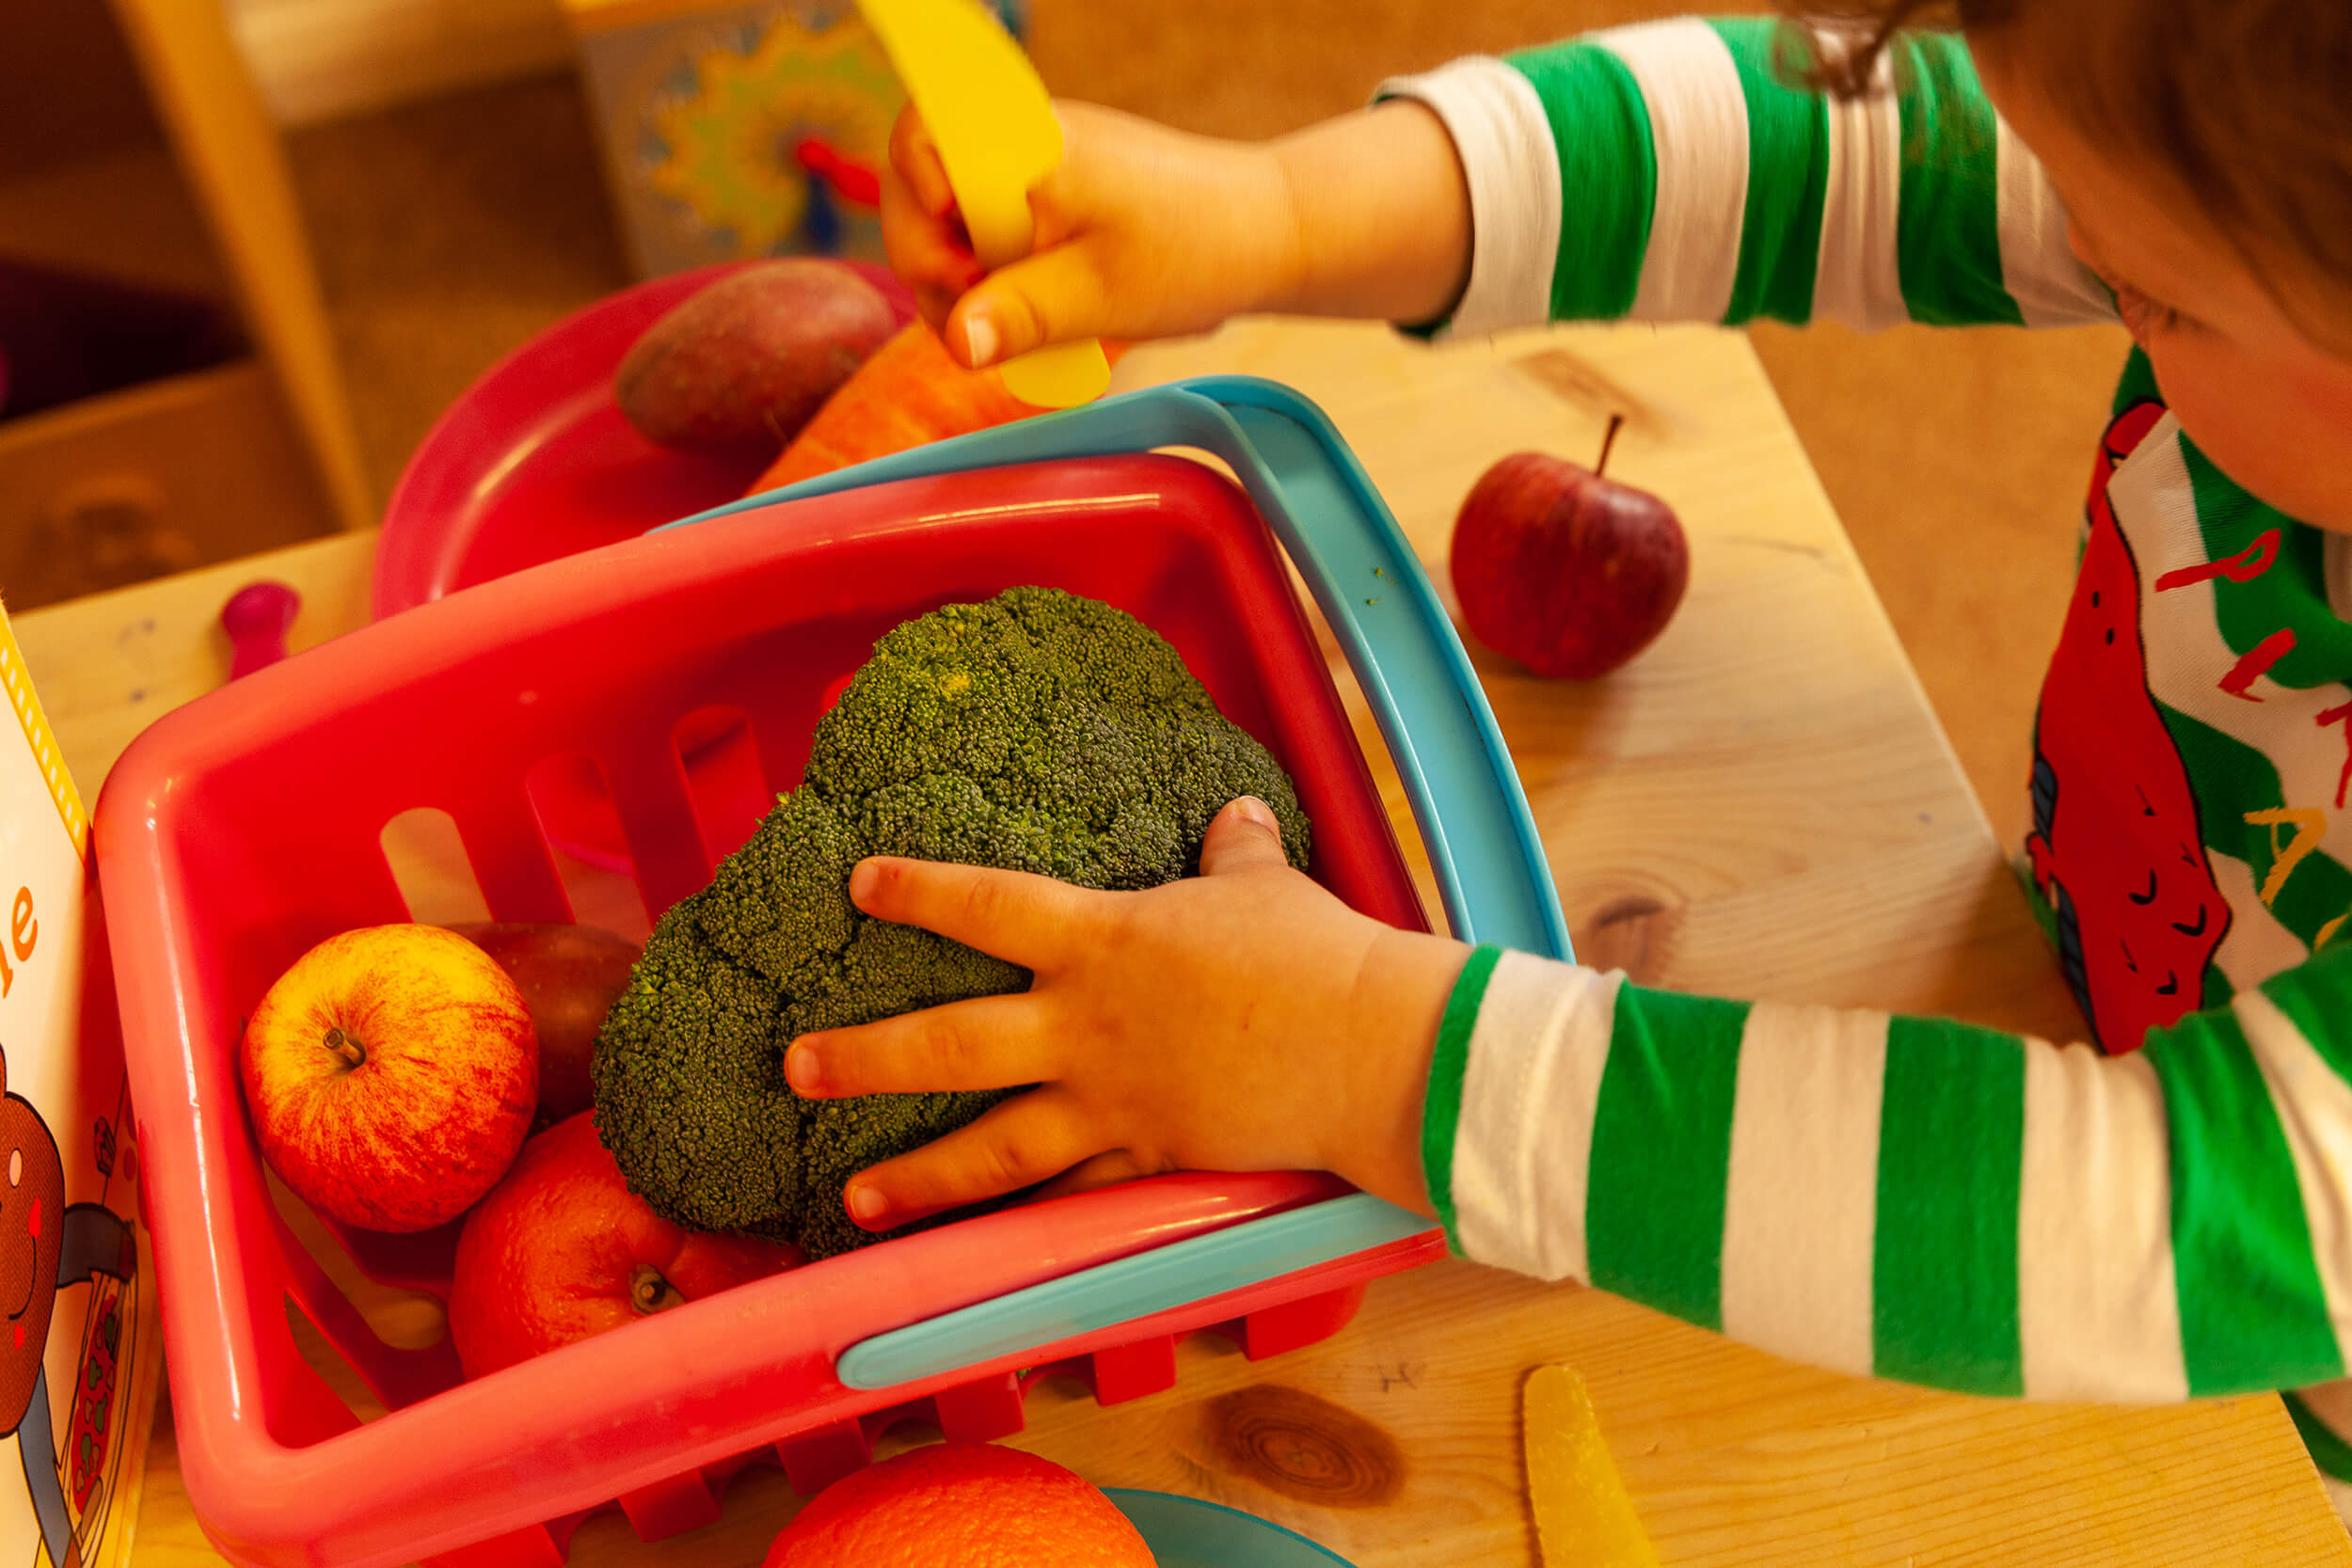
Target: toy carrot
908,393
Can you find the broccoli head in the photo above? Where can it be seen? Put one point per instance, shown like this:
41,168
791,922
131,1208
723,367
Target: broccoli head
1039,731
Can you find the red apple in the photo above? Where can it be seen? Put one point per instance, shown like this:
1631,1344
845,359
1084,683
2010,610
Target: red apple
570,976
391,1074
1566,570
562,1250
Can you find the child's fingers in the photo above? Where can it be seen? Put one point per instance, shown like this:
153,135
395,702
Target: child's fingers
1014,915
915,155
1048,297
933,303
1245,835
1017,1144
925,252
988,1042
1105,1170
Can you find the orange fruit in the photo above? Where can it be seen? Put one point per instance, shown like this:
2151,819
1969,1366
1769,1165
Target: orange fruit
961,1505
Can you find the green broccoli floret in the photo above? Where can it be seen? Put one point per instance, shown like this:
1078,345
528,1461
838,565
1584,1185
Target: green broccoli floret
1039,731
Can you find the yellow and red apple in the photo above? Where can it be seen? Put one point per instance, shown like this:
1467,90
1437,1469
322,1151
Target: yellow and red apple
391,1073
562,1250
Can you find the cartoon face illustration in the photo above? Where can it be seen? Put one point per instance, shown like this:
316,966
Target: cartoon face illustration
2116,846
32,1232
45,1244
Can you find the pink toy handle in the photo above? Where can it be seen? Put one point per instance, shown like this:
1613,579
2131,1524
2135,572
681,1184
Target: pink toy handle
257,618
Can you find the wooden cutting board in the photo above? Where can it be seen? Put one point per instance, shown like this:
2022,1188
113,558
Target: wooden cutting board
1762,806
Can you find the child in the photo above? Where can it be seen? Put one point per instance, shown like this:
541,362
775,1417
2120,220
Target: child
2166,1215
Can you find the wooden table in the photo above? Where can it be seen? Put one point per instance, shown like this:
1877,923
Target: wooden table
1762,806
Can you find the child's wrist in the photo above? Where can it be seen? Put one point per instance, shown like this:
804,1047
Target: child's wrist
1378,222
1400,1002
1264,271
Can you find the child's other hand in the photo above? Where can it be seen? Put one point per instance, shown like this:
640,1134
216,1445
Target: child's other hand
1241,1020
1141,232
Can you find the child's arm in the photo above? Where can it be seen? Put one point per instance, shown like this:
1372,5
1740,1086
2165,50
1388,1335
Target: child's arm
1147,232
1914,1198
1664,171
1684,178
1923,1199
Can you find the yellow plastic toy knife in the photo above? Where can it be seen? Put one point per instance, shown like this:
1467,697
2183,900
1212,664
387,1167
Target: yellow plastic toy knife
1583,1518
996,133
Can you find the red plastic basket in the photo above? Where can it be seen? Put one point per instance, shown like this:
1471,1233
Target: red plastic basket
247,826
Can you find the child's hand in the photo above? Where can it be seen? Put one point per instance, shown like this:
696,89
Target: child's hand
1242,1019
1140,233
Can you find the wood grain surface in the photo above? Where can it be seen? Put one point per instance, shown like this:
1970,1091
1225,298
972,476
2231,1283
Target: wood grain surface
1762,806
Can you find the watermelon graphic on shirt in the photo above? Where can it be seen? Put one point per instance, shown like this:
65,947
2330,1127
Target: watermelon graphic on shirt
2116,846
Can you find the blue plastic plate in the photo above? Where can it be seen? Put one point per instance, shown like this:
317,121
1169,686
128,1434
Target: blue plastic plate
1185,1532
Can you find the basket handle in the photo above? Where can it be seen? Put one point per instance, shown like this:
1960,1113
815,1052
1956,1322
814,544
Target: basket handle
1177,1275
1466,798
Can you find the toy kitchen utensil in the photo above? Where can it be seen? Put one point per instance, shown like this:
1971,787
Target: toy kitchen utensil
997,135
1187,1532
1583,1518
257,619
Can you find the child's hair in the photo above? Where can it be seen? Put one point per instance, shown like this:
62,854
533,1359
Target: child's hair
2246,105
1864,30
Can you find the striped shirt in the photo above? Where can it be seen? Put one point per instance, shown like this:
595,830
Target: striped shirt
2162,1211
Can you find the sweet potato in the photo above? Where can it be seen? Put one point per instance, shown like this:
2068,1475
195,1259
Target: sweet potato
909,393
737,369
570,976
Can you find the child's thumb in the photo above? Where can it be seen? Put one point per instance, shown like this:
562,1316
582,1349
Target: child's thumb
1051,297
1245,835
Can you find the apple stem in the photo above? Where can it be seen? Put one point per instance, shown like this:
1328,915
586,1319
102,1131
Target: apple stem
350,1050
650,1293
1606,442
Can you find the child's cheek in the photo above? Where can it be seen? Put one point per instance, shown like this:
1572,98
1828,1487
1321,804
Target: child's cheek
2281,427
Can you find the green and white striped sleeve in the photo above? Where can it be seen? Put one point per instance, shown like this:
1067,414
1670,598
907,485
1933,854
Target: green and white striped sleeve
1667,171
1913,1199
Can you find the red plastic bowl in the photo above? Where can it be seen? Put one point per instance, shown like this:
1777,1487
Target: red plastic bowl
533,461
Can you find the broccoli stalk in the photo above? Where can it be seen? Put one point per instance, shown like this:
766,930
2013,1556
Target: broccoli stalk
1039,731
